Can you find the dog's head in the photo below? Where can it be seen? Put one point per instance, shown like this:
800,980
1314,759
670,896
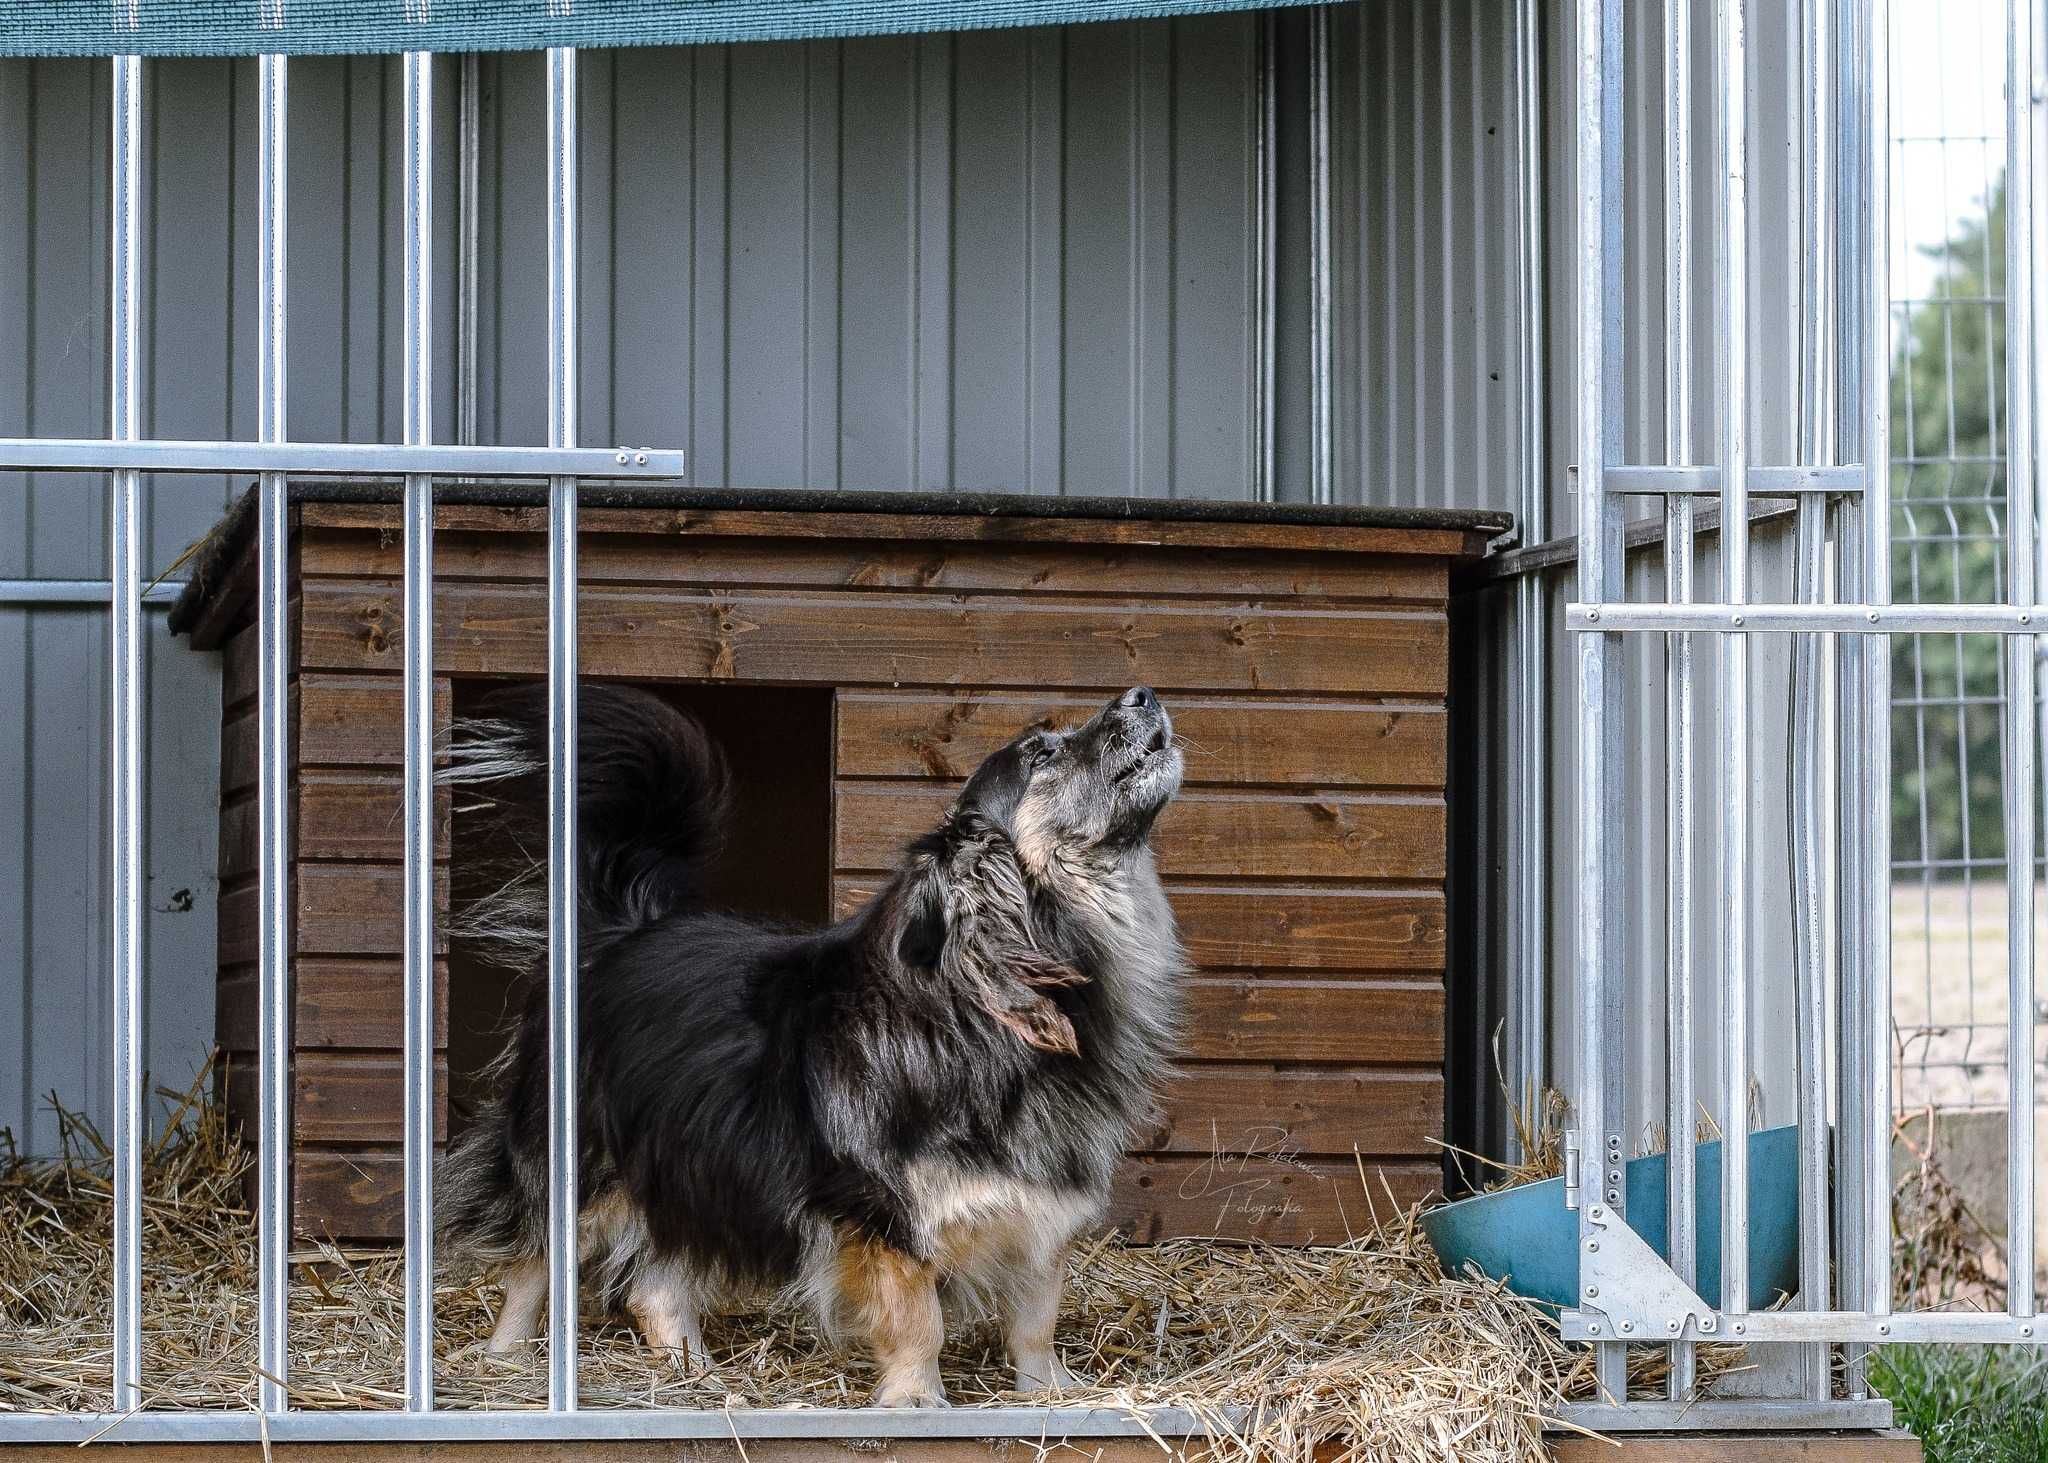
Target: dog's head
1091,791
1048,808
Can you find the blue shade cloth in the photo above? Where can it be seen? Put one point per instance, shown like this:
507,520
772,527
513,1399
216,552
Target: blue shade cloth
345,27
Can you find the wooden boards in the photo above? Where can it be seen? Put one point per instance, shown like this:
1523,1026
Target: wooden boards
1305,859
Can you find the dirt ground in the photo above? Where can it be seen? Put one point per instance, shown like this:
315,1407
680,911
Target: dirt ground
1949,993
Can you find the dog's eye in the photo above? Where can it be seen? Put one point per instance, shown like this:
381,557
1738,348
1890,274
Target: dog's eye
1041,754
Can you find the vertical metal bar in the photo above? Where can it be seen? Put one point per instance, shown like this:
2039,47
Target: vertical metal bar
2021,1162
1876,1119
2023,85
1679,548
1807,813
418,225
1530,810
1852,904
469,120
1322,261
1600,862
273,1017
1731,276
562,1034
1266,257
124,721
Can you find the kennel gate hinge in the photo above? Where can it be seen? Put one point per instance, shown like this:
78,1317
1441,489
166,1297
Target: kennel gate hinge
1627,1292
1571,1168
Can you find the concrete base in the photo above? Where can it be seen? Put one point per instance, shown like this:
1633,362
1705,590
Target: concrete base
1970,1149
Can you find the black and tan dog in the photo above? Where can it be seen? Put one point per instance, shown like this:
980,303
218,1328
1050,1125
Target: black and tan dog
928,1097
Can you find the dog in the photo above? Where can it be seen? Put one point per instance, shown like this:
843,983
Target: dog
925,1099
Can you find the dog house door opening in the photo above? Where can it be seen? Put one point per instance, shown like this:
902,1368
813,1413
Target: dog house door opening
775,862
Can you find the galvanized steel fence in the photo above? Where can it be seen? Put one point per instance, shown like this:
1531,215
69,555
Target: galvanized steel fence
1841,485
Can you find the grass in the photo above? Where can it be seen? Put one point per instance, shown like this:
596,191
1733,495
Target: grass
1969,1404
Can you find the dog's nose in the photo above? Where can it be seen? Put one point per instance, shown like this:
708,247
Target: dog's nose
1139,696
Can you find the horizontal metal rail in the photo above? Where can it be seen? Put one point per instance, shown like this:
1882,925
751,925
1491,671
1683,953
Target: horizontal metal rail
1764,482
1855,1326
1824,619
368,459
1050,1423
82,591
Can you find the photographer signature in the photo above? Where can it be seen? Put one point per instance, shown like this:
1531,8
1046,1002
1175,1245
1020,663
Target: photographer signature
1227,1175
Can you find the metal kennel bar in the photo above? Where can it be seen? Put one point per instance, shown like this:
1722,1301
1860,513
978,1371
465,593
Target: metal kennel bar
1529,706
562,384
1679,549
2025,77
417,154
273,836
124,719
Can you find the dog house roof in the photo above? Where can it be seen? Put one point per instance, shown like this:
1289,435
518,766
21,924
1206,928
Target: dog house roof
1461,533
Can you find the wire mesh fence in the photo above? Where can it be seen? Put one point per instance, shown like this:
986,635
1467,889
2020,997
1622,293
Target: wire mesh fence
1949,524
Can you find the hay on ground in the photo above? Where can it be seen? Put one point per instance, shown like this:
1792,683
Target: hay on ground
1366,1345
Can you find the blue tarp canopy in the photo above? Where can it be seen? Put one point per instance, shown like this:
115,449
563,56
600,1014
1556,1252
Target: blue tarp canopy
342,27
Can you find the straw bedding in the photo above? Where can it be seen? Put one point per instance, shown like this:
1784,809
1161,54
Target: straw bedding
1367,1345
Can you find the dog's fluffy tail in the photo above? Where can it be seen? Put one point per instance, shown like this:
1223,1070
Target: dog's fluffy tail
652,792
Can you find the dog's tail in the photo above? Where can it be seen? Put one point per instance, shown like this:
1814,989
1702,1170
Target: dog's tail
652,792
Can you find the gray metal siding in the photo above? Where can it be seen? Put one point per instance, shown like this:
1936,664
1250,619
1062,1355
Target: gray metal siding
1010,260
1425,198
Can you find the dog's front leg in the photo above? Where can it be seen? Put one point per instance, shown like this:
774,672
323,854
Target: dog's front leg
1031,1307
892,1301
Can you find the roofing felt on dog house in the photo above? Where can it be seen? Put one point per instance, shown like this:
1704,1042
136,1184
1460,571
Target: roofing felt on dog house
859,653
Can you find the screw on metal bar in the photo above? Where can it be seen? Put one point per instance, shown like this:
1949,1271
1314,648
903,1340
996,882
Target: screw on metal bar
1672,1327
1592,1244
1598,1213
1592,614
1614,1196
1709,1324
1739,1328
622,459
1593,1329
1592,1291
1882,1330
1628,1326
640,457
1873,617
1735,619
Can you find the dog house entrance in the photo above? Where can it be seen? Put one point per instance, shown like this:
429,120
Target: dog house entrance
776,862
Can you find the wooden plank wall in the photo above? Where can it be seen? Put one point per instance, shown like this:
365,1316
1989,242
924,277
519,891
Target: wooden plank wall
1305,859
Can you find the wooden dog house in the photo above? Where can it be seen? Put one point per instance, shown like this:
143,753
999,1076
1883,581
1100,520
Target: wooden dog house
857,654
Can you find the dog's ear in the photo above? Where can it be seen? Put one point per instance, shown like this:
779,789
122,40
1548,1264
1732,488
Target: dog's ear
1012,993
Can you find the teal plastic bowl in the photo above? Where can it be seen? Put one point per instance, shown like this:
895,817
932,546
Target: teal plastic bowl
1527,1238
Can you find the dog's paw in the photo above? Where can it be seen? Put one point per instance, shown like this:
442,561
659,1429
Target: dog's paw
910,1392
682,1358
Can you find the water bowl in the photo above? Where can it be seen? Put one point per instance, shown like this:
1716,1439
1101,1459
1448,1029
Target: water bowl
1525,1236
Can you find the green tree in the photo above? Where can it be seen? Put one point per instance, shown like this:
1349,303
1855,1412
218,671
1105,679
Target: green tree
1948,524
